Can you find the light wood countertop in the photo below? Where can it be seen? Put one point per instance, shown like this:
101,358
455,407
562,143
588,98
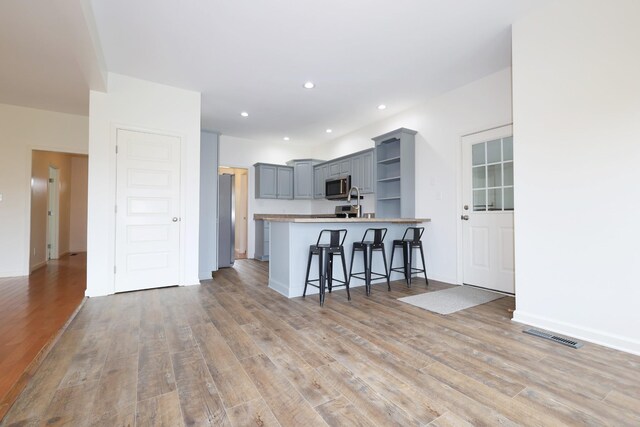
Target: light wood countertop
332,219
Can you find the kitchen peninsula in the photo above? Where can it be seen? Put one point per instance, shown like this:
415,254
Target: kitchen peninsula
291,236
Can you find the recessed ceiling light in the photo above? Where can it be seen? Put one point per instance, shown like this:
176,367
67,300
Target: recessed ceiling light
286,138
329,131
244,114
381,107
309,85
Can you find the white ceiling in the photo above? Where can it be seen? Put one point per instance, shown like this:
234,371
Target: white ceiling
37,68
247,55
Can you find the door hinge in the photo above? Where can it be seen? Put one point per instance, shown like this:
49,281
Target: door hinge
116,149
114,269
48,245
116,209
51,179
49,213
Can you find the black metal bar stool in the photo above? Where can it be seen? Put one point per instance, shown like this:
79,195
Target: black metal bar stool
411,239
367,247
325,252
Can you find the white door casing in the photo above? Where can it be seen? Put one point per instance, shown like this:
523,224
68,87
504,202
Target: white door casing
487,211
147,242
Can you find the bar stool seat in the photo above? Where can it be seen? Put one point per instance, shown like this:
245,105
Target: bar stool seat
367,247
325,252
411,240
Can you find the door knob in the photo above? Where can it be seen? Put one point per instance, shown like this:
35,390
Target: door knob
175,219
464,217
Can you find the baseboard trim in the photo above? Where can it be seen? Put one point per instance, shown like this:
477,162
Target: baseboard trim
594,336
205,275
9,274
280,288
37,266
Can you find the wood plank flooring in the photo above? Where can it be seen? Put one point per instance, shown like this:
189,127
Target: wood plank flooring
32,311
231,352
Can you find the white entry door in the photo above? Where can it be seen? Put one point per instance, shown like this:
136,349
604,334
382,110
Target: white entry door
147,211
487,211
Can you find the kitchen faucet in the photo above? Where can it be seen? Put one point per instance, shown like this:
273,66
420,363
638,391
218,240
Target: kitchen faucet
357,200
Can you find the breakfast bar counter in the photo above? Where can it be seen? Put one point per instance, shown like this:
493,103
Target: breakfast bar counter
291,236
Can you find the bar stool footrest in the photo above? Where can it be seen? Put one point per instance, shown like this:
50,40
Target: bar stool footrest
373,273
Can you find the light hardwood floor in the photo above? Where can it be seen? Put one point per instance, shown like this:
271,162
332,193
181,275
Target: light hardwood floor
32,311
232,352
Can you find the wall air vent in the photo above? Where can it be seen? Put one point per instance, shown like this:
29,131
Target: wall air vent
555,338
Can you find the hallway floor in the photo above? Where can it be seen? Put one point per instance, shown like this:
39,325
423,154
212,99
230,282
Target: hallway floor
32,311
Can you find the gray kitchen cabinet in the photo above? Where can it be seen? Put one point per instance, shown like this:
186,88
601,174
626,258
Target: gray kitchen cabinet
345,166
362,171
334,170
320,175
285,182
367,185
395,174
303,178
262,240
273,181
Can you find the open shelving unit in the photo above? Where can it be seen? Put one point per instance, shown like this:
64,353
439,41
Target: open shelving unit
395,174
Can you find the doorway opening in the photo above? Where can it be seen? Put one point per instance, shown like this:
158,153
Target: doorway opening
233,199
58,217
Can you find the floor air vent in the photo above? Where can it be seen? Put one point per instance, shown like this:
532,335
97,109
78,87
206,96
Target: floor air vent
560,340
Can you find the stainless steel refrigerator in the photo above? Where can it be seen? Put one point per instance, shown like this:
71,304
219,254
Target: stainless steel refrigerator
226,220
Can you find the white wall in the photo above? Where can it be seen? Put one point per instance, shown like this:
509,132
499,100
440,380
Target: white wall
440,123
576,99
78,204
139,105
21,130
243,153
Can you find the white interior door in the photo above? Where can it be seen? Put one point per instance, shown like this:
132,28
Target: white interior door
487,212
53,216
147,211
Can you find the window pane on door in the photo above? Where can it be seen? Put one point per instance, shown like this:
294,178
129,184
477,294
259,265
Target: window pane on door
508,198
494,199
494,151
479,177
508,173
507,148
479,200
492,175
477,154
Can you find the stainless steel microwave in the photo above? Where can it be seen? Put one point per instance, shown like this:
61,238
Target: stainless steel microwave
337,188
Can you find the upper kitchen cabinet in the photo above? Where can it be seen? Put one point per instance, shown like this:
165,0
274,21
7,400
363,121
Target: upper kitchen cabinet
395,174
339,167
273,181
320,175
362,171
359,165
345,166
303,178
